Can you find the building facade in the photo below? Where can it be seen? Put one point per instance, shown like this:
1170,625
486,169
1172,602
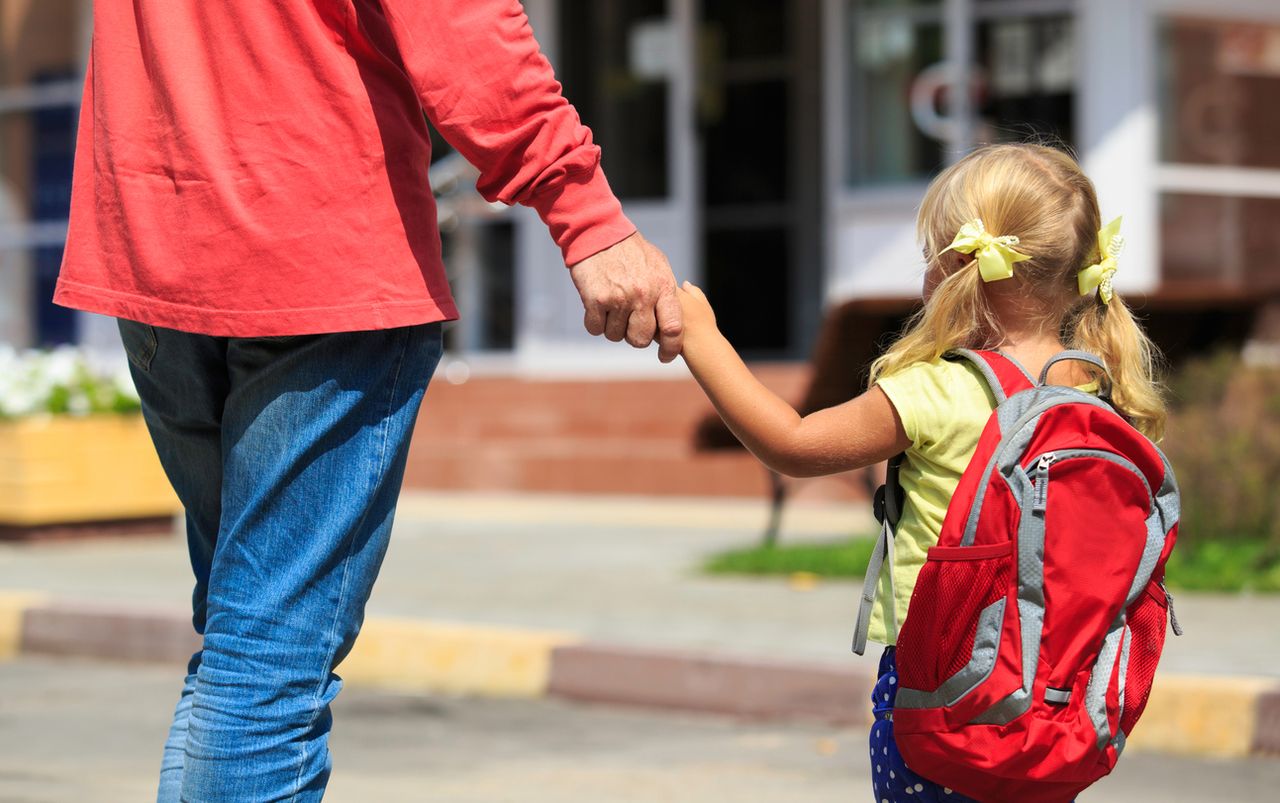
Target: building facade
42,47
777,152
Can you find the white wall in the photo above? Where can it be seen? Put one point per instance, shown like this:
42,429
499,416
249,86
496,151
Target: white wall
1117,128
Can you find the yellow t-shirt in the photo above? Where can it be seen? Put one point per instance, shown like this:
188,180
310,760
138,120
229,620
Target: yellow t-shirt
944,407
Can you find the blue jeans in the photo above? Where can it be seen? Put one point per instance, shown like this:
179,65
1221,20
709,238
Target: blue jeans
288,454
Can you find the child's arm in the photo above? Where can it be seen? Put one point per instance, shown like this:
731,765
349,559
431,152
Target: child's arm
858,433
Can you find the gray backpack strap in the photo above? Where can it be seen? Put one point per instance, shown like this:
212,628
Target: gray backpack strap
883,549
1004,375
988,374
1019,366
888,509
1078,356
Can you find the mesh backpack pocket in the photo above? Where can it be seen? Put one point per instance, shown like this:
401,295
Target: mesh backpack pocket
1148,623
966,582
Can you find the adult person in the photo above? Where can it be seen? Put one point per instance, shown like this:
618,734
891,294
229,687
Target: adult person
251,201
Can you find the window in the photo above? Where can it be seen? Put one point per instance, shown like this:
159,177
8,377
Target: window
1219,90
899,110
1219,174
893,46
1027,68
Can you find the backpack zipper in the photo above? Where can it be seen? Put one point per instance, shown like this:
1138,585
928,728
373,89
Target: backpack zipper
1044,461
1059,397
1034,412
1042,493
1042,481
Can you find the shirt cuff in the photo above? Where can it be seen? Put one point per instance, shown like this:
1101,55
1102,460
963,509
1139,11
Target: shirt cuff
583,215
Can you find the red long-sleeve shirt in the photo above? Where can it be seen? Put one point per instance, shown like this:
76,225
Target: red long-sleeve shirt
248,169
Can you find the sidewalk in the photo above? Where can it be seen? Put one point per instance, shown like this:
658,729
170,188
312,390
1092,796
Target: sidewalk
601,598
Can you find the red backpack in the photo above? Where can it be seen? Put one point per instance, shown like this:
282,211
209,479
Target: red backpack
1037,621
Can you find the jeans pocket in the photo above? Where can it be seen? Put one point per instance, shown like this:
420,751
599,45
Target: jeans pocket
139,342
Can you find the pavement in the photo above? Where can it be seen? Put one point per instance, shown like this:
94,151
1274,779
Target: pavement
92,731
600,599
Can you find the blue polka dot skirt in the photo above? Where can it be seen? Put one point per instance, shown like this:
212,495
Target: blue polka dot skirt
891,779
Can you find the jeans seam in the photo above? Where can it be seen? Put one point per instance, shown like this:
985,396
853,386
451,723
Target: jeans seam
346,564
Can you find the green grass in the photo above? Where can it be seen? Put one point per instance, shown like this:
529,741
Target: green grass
827,559
1214,566
1229,565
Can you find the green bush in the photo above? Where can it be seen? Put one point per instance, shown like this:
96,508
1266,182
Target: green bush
1224,443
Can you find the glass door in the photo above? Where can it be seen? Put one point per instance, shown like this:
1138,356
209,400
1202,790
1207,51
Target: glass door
626,67
760,149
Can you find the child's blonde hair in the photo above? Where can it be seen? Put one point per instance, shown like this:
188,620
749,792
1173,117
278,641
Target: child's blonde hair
1041,196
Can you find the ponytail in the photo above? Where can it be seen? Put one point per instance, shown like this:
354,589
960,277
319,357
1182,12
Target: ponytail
958,314
1111,332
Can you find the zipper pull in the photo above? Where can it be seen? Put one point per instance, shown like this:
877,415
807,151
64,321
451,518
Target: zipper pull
1173,617
1042,481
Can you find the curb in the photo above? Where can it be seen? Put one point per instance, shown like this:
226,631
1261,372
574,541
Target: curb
13,608
691,681
411,655
113,631
1192,715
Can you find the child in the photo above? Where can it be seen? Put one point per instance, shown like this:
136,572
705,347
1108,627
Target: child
1013,258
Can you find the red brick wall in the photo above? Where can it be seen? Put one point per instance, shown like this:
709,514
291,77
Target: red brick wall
609,437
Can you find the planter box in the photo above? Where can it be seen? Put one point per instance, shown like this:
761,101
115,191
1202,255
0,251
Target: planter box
63,470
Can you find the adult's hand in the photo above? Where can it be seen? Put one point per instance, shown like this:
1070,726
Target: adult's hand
628,291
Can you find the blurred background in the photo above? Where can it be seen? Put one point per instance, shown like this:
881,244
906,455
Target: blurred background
776,150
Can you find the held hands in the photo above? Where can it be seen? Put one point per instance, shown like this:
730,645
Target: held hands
628,291
699,318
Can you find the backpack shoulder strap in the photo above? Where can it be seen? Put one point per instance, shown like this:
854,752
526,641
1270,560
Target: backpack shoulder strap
1004,375
1079,356
888,509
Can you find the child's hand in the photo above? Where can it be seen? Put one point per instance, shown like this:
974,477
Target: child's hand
699,318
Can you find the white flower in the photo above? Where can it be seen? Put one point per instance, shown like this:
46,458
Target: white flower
123,381
62,366
19,402
64,379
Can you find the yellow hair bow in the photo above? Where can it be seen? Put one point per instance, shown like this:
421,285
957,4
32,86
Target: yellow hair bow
996,255
1109,245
